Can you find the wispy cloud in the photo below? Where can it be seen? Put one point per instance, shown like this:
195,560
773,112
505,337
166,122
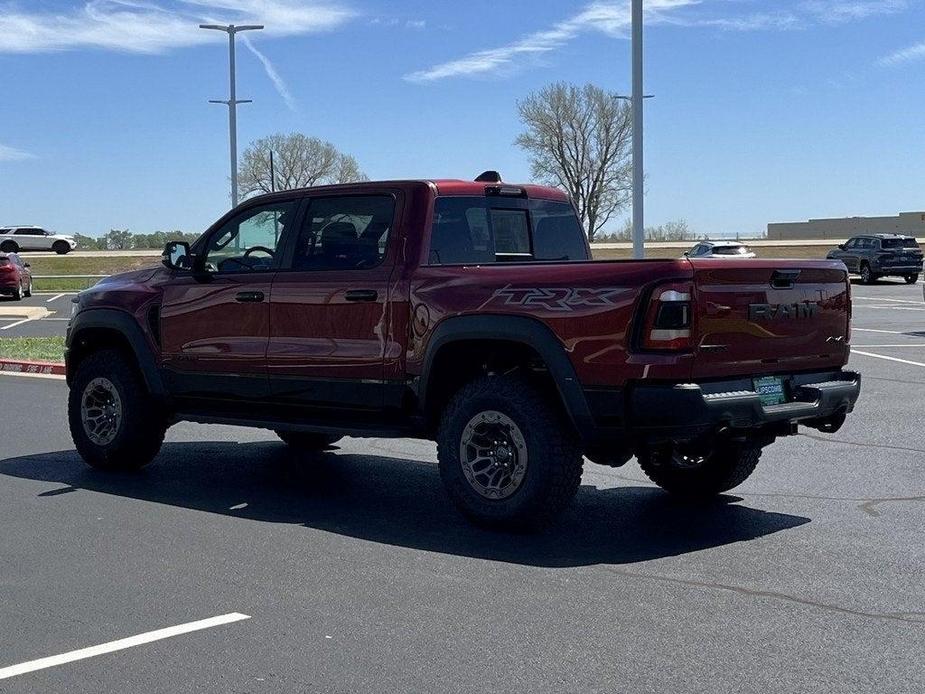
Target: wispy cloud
839,11
278,82
154,26
612,17
13,154
905,55
607,17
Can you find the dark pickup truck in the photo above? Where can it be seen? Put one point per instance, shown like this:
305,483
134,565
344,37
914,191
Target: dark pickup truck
469,313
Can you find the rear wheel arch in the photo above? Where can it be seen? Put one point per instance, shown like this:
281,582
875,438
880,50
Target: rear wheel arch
464,348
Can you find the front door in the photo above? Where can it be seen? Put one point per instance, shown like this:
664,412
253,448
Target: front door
332,337
215,320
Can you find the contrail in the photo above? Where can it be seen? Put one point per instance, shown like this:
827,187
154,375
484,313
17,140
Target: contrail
277,81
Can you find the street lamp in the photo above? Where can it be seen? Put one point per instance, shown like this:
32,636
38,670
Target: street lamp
639,250
232,101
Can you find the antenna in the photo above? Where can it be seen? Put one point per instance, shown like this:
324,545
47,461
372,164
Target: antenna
489,177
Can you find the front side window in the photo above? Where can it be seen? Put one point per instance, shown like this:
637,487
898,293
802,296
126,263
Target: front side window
480,230
345,233
248,242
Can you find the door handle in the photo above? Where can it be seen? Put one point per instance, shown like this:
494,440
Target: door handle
361,295
249,297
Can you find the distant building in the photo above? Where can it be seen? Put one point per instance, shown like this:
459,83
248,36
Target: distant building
911,223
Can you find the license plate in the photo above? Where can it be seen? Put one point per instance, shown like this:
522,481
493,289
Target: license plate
770,390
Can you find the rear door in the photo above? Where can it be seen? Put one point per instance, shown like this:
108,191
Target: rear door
768,317
336,332
31,239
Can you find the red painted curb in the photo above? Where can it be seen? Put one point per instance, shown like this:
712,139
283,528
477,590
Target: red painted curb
31,367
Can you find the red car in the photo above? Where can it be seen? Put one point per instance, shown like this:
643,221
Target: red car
469,313
15,277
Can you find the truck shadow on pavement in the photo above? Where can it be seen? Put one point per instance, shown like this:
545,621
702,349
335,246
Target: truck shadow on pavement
401,502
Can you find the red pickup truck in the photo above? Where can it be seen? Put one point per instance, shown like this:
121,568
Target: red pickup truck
472,314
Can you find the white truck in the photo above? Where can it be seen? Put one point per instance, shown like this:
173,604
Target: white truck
32,238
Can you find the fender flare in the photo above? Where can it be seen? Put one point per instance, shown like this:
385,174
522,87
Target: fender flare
519,329
126,325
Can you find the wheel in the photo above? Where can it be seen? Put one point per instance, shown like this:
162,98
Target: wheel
727,466
61,247
911,279
506,458
115,423
307,441
17,293
867,277
9,247
28,290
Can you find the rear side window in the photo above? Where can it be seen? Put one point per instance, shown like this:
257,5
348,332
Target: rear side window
480,230
730,250
345,233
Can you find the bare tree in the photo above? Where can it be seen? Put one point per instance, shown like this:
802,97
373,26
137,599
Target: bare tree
299,161
579,138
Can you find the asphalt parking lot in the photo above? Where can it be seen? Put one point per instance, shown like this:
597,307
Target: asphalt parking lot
54,313
356,576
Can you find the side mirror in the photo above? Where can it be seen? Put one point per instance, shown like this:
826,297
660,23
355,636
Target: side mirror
177,256
26,265
841,246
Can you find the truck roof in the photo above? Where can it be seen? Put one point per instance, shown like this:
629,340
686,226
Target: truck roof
446,186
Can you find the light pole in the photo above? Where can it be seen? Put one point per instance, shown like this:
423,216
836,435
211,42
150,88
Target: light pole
637,103
233,101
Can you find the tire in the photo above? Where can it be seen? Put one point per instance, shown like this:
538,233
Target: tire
61,247
9,247
307,441
17,293
911,279
28,290
541,459
867,277
726,467
135,437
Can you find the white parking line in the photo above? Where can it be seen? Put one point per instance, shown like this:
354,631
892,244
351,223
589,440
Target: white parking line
882,298
881,356
121,644
54,298
19,322
872,330
53,377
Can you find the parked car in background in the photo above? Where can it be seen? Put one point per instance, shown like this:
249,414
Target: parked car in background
32,238
15,277
874,256
720,249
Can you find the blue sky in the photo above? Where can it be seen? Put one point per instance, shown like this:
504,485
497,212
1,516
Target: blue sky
764,111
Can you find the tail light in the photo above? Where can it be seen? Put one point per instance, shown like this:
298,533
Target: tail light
669,318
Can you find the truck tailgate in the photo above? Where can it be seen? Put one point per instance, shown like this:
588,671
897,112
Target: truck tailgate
770,316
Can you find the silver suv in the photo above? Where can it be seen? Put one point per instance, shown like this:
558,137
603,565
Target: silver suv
33,238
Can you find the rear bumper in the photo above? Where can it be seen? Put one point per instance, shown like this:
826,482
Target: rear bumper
690,410
898,269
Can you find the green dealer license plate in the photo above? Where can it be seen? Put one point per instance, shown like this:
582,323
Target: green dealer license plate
770,390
